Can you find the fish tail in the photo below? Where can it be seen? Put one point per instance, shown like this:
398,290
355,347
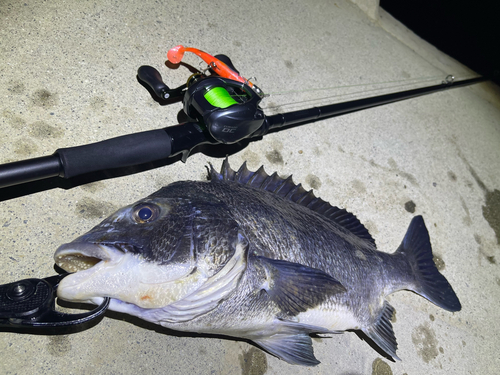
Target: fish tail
428,281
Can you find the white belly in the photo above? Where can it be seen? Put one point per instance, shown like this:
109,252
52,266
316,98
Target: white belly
339,319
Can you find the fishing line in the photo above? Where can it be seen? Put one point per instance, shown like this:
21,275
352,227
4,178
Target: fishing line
402,83
219,97
420,79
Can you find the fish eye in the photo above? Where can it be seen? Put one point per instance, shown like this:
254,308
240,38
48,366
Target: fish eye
146,213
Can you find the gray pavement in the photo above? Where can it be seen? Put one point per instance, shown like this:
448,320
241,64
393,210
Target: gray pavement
68,77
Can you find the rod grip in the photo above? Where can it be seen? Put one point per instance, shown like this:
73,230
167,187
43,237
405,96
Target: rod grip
124,151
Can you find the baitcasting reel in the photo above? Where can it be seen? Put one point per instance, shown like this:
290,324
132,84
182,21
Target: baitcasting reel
225,103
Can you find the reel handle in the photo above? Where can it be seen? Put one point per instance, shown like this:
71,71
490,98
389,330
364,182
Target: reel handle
226,60
152,78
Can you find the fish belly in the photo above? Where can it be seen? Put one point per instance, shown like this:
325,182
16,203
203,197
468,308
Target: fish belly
339,318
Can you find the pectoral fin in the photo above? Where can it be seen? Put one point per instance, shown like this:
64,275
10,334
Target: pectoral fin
295,287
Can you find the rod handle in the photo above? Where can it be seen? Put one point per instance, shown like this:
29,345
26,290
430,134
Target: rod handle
124,151
35,169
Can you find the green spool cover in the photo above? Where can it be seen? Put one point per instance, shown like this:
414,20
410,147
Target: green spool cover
219,97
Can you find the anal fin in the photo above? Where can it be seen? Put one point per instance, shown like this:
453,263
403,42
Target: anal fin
381,331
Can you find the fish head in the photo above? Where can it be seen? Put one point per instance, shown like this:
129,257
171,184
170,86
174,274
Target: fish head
150,254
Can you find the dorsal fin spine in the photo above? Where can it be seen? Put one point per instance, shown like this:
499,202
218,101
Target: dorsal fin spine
286,188
281,185
286,184
313,202
254,178
303,197
269,180
323,207
293,191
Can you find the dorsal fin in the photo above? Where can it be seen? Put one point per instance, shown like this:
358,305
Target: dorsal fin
286,188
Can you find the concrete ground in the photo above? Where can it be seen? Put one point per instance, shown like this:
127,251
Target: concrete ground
68,77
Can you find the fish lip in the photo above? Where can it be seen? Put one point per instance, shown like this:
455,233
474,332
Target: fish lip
79,256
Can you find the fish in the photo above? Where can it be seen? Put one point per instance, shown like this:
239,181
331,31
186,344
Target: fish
251,256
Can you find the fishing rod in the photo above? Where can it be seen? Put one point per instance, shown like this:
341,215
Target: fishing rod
222,109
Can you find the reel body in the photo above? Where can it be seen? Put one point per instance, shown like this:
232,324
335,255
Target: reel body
229,109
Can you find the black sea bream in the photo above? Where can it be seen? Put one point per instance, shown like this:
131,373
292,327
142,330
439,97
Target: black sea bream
252,256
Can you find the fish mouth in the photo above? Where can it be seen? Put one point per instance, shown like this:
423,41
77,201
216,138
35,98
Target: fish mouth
118,271
80,256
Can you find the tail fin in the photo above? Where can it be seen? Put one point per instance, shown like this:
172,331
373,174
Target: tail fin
429,283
